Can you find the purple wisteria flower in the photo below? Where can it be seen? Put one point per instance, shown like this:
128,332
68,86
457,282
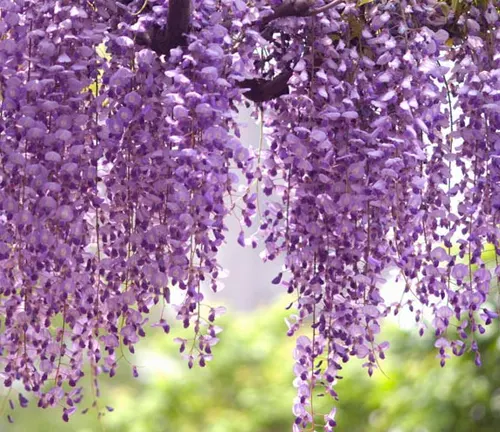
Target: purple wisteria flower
121,161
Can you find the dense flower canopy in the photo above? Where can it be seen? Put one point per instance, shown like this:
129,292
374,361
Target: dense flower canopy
120,162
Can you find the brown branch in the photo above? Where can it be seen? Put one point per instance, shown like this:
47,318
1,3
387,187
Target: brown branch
174,34
262,90
297,8
324,8
289,8
162,40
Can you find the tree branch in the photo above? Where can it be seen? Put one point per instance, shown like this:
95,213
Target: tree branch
324,8
289,8
174,34
262,90
162,40
297,8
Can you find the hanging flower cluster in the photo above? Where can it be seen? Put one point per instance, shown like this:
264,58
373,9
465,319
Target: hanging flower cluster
120,160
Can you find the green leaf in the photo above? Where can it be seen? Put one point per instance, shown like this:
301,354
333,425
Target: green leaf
101,51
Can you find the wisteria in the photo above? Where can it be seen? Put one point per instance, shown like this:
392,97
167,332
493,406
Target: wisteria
120,162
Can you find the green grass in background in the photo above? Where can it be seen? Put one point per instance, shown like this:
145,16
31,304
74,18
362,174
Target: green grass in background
248,388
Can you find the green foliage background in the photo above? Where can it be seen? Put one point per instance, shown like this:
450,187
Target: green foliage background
248,388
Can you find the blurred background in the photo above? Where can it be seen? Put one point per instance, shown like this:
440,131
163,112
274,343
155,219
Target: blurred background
248,387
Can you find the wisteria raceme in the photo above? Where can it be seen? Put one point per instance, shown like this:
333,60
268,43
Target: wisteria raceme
120,161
